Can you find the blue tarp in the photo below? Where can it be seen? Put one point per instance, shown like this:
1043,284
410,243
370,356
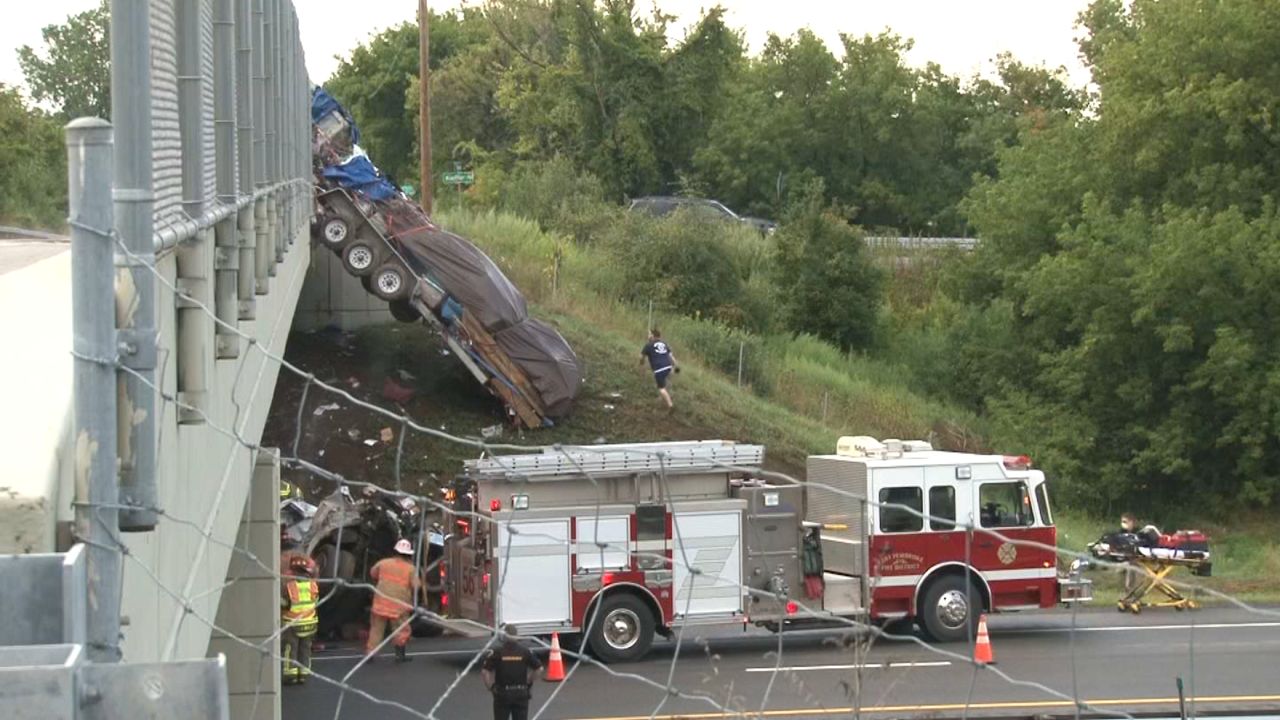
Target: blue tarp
360,175
322,103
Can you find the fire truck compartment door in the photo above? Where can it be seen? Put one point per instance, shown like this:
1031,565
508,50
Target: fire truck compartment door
532,575
614,533
712,542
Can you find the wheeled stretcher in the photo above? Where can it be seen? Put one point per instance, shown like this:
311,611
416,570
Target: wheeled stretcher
1156,556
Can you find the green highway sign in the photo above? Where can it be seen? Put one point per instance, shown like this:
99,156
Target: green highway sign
459,177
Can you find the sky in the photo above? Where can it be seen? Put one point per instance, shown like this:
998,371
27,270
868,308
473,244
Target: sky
963,36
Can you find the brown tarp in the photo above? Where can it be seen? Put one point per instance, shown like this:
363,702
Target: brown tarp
459,267
472,279
548,360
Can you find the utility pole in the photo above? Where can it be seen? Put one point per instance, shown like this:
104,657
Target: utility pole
424,105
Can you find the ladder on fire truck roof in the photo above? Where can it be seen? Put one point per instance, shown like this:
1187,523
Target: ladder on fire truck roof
621,459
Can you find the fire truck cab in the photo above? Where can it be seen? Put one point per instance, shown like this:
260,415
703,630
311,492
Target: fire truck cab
910,544
622,542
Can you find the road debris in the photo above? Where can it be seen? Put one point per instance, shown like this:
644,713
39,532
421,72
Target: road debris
396,393
325,408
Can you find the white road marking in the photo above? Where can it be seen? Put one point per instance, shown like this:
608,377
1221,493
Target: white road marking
1182,626
859,666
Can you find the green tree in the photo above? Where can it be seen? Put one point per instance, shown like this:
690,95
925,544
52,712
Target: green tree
1136,246
74,73
378,84
772,131
33,186
826,282
688,262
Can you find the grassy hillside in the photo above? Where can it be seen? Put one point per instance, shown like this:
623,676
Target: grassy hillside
840,393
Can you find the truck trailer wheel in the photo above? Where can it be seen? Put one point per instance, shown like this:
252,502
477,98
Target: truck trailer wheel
390,281
403,312
949,609
622,630
359,258
334,232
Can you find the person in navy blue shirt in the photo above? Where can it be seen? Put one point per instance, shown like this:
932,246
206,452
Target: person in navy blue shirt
661,361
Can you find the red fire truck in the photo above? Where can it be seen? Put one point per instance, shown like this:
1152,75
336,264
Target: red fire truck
622,542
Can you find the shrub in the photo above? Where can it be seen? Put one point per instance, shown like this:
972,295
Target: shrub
557,196
827,283
683,262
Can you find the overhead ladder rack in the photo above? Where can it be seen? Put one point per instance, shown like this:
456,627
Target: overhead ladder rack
623,459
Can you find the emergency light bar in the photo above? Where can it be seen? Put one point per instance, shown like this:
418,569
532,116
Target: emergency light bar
1017,462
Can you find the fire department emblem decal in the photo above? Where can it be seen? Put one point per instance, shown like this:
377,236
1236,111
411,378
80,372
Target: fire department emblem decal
1008,552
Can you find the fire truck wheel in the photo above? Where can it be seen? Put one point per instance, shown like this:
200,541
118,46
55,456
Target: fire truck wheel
950,609
622,629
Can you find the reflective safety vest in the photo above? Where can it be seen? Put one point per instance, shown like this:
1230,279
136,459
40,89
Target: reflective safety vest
301,612
396,585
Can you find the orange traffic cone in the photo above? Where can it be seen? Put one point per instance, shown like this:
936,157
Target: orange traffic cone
555,663
982,652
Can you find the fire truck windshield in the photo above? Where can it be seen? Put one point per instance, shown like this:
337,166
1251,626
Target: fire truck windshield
1042,499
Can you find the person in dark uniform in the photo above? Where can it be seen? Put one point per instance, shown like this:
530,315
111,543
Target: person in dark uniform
661,361
508,672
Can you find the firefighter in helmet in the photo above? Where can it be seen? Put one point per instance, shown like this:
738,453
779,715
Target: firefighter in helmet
398,585
298,595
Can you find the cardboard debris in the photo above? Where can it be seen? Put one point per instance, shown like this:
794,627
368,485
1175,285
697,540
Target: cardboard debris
387,435
492,431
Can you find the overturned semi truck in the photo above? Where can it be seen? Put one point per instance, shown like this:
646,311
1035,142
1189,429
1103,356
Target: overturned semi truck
430,275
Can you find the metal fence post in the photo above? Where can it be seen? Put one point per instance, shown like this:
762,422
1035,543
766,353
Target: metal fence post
131,112
263,251
192,259
246,233
89,168
226,260
742,349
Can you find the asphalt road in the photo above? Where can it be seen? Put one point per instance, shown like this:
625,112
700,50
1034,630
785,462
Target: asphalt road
1120,664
